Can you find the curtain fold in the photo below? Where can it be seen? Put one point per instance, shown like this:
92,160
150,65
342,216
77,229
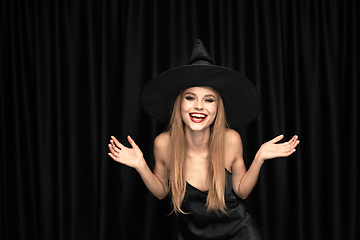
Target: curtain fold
70,77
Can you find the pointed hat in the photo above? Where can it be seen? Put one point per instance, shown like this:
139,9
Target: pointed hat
241,100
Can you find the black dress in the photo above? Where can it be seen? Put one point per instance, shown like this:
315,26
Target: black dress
236,224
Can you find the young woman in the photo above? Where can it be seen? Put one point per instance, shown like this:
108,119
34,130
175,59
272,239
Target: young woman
199,160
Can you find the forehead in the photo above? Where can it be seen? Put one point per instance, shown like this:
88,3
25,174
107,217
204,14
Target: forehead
201,90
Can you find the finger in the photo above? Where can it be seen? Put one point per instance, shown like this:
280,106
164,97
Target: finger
294,141
286,152
276,139
113,156
291,143
290,152
113,146
110,147
117,143
112,141
113,149
292,148
132,142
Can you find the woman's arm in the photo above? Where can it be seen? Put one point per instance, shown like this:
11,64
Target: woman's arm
156,182
244,181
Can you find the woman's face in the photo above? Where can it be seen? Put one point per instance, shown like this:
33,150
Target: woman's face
199,107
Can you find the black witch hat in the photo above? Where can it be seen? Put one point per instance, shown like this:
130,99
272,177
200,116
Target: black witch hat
241,100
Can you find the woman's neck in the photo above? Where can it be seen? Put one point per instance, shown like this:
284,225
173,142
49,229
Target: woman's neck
198,141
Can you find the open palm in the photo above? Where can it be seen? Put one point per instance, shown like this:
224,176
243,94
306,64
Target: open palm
131,157
273,149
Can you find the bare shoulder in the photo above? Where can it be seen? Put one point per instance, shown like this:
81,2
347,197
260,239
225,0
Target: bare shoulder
233,148
232,138
162,140
162,147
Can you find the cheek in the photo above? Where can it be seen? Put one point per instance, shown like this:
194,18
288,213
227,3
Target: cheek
184,108
186,105
213,110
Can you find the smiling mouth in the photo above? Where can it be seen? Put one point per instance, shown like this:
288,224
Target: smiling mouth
198,117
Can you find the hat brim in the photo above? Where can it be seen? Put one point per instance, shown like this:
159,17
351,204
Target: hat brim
241,100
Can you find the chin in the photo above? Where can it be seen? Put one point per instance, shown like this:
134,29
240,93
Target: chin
198,128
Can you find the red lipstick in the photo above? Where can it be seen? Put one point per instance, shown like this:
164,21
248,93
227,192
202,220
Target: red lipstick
198,117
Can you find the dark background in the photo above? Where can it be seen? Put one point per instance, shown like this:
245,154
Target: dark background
71,72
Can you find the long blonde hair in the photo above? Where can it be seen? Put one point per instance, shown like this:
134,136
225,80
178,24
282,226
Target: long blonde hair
215,199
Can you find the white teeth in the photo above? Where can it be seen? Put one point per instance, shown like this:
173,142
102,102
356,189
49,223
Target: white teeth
197,115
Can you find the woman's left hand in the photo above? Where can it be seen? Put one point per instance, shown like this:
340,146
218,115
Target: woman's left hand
273,149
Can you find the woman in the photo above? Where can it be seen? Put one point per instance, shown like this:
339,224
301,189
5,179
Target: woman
199,160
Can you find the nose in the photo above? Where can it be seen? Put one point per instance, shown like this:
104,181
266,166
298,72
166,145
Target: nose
199,105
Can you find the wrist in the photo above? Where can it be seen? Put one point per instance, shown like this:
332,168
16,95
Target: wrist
258,159
141,166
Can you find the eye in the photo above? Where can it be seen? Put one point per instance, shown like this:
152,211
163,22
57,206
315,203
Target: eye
210,100
189,98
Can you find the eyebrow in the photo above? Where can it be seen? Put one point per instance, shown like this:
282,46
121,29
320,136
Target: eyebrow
207,95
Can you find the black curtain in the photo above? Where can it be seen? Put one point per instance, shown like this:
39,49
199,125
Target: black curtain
71,73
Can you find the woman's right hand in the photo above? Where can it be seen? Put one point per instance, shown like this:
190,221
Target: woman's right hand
132,157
